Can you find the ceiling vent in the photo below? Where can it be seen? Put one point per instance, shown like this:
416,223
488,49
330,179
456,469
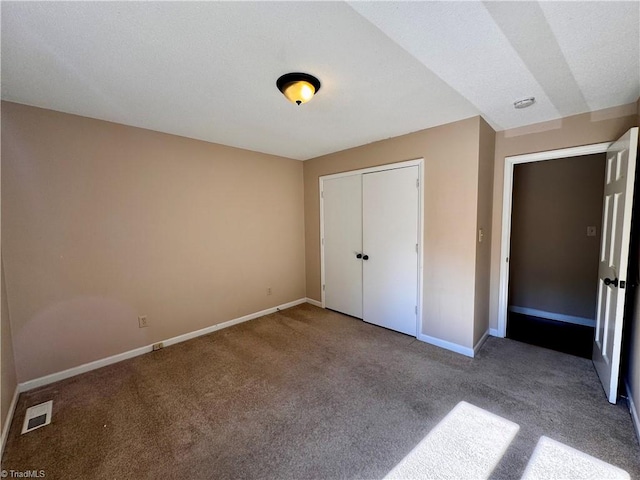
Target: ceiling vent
37,416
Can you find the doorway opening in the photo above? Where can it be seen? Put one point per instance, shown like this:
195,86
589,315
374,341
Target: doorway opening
556,224
507,201
613,274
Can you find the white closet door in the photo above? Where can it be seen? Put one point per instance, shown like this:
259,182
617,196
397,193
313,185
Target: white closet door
390,235
342,204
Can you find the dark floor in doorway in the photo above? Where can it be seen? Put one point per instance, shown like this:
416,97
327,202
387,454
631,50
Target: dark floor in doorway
560,336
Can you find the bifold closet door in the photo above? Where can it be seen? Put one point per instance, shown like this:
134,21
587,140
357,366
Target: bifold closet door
390,237
342,203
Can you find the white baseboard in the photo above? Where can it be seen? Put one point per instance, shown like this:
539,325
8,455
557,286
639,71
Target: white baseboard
314,302
7,421
494,332
478,345
103,362
230,323
633,410
454,347
86,367
559,317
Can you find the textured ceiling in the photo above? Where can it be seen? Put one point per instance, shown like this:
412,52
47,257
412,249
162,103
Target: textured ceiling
207,70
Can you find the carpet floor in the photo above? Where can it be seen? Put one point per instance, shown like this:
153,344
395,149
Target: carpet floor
309,393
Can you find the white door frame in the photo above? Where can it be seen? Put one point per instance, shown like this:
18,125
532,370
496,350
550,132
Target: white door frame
391,166
507,199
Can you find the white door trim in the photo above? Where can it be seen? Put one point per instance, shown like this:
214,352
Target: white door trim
409,163
507,198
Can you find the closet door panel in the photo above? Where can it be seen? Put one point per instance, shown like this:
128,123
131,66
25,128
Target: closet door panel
342,203
390,234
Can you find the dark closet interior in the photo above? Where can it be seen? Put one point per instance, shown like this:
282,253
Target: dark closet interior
555,241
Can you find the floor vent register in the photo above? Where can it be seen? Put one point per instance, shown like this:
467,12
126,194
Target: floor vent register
37,416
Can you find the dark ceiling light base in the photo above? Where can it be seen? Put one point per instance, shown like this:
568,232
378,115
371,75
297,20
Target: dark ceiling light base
298,87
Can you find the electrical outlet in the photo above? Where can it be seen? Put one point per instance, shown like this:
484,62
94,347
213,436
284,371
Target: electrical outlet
142,321
158,346
268,291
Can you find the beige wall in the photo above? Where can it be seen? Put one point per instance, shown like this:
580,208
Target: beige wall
450,218
588,128
553,263
103,222
8,370
8,379
483,256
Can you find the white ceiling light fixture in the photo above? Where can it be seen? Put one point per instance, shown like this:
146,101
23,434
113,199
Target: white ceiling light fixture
298,87
525,102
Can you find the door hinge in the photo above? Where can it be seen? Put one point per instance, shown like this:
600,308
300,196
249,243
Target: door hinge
507,259
322,194
322,241
417,183
323,288
416,248
416,309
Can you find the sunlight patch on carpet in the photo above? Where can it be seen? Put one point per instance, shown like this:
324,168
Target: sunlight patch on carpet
555,460
468,443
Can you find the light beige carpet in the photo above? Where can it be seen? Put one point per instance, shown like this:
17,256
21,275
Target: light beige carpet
308,393
468,443
553,460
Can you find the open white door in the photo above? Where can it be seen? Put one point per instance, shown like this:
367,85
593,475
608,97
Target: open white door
614,255
342,206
